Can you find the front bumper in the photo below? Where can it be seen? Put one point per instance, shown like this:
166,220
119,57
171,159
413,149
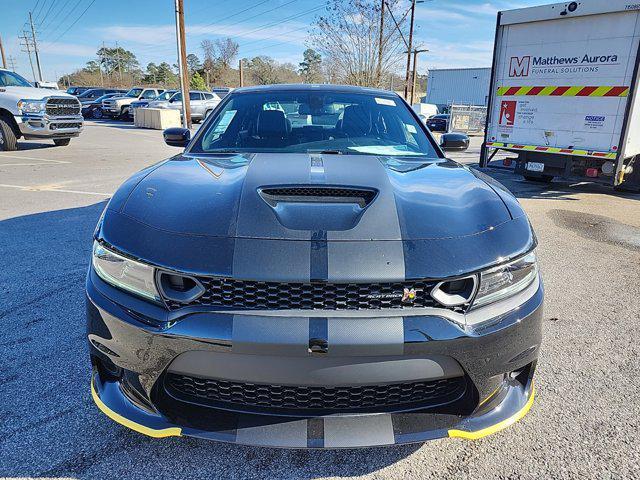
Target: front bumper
45,126
134,344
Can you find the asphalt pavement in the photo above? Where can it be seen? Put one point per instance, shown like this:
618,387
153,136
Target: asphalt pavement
584,422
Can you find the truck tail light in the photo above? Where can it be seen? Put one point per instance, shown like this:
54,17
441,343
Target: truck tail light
592,172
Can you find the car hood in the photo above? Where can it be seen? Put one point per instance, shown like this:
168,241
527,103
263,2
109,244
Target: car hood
210,214
224,196
34,93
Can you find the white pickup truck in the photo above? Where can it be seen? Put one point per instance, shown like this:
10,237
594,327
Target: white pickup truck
29,112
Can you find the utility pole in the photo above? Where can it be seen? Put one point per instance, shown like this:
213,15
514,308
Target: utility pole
12,62
380,40
182,63
35,46
409,50
415,71
4,60
27,45
241,70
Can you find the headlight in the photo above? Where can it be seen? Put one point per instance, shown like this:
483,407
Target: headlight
506,280
124,273
31,106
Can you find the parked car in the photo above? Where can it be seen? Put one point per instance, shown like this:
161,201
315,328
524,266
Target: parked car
339,283
202,103
438,123
93,108
29,112
48,85
221,91
77,90
93,93
118,107
164,96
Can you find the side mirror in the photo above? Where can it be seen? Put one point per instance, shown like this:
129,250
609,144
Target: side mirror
177,136
454,142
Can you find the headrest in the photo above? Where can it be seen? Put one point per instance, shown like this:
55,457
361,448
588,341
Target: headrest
304,109
271,123
356,121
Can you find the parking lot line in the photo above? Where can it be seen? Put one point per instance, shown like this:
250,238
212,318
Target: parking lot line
46,188
20,157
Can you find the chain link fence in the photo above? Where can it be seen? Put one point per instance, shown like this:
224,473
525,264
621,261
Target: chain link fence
469,119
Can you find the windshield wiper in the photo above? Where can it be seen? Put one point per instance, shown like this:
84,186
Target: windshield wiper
327,152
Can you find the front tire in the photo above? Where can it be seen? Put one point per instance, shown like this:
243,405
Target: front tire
8,139
61,142
97,113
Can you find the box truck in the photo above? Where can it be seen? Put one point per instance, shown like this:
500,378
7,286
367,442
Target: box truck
564,93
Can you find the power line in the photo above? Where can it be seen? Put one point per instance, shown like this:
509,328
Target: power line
237,13
47,14
75,7
37,14
76,21
64,5
217,22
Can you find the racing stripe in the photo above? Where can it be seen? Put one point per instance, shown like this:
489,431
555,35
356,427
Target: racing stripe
377,336
270,335
358,431
291,433
315,433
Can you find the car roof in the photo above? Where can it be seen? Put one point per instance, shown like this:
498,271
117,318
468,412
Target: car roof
308,87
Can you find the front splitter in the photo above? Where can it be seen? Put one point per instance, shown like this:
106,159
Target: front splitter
506,406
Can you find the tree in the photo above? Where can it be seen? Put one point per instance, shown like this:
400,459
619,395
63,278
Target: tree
218,58
311,66
197,82
193,63
348,36
92,66
262,70
118,60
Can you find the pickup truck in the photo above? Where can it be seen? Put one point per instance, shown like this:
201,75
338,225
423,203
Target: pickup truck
118,107
30,113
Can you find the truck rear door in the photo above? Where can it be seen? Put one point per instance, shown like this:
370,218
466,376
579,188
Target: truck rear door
562,81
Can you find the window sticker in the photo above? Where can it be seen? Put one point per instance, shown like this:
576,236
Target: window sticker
385,101
410,128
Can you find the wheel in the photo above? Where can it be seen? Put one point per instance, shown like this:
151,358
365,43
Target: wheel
61,142
8,140
97,113
539,178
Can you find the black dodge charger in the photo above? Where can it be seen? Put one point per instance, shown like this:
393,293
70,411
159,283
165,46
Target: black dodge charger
312,272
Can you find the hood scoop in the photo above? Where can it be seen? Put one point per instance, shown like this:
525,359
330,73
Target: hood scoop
328,208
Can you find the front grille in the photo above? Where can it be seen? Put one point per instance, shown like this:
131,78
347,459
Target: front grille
63,106
254,295
234,395
58,126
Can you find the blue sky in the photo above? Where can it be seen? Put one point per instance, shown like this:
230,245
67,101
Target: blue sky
458,33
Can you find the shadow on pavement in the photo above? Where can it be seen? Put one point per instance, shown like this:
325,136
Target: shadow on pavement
557,190
49,425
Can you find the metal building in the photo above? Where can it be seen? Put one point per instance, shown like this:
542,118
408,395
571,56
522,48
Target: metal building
461,86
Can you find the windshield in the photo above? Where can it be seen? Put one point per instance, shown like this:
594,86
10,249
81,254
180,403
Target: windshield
134,92
11,79
165,95
307,122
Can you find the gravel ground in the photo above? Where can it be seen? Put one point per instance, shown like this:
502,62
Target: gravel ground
583,424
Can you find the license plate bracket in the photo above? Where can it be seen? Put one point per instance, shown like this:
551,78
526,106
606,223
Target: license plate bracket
534,167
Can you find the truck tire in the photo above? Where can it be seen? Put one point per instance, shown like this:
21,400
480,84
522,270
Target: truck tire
539,178
61,142
8,140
